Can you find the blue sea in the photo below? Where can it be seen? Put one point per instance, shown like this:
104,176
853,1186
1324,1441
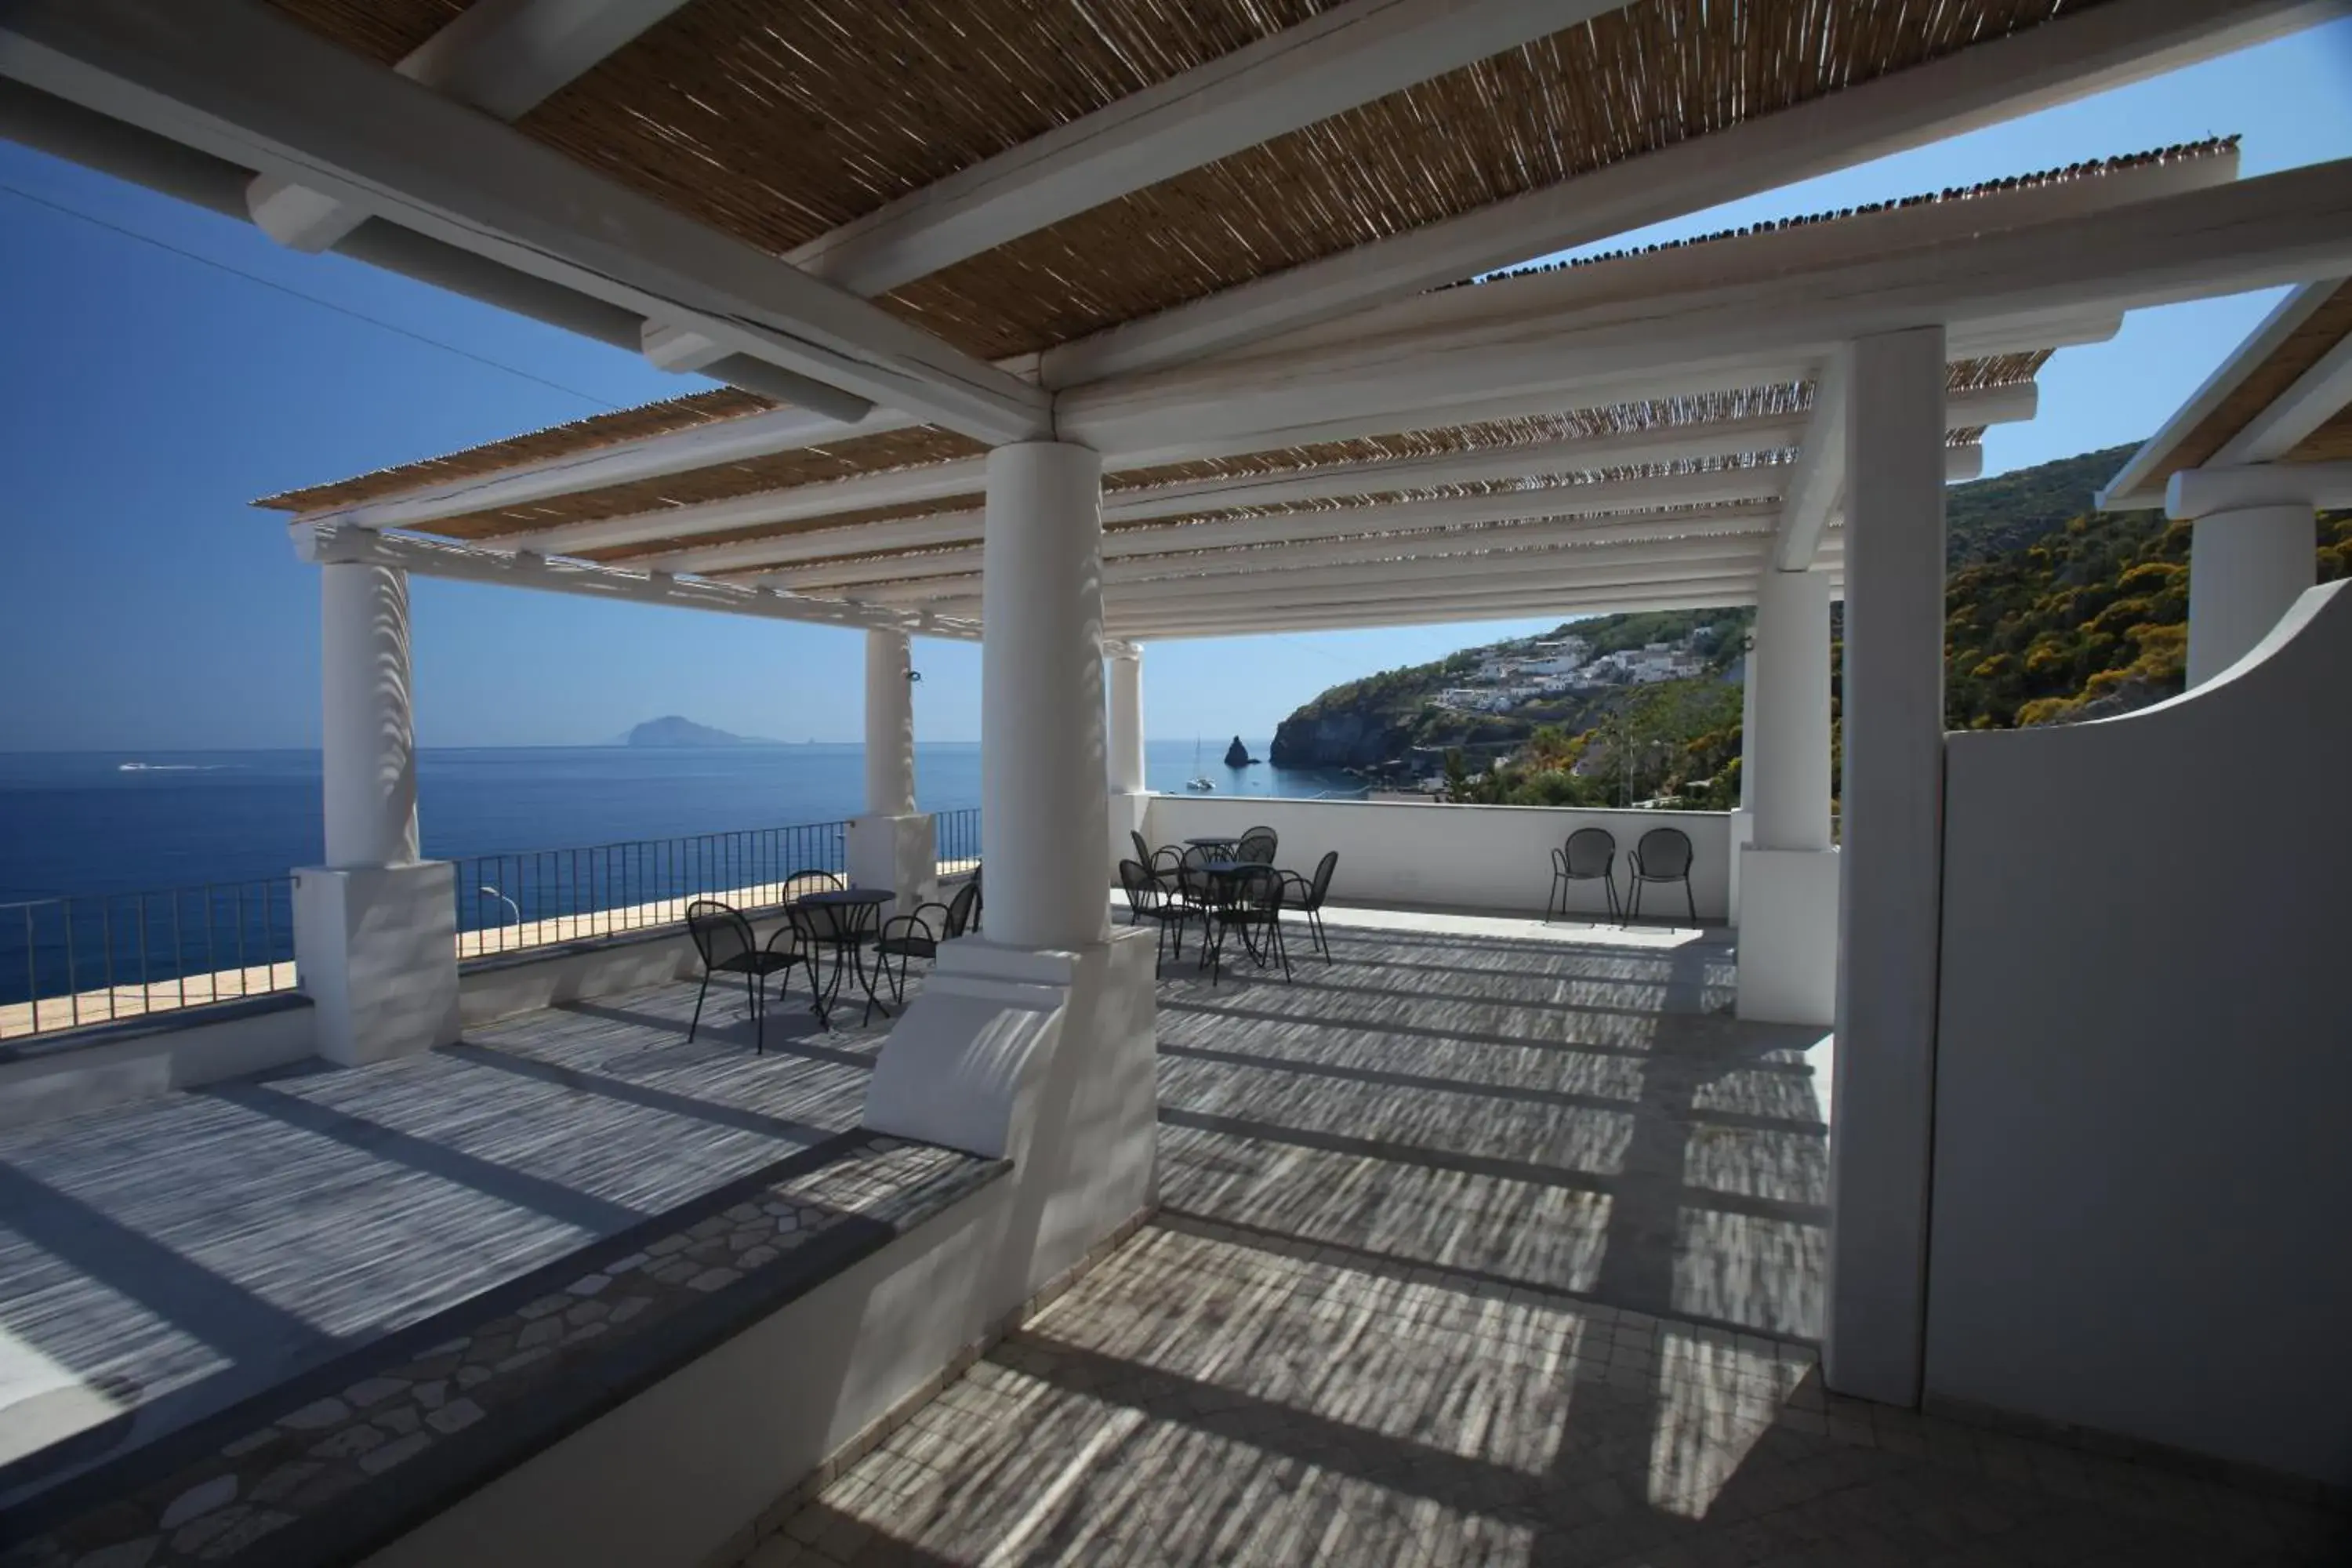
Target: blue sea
85,823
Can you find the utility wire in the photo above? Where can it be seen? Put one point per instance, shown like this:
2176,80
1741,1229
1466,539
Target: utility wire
218,266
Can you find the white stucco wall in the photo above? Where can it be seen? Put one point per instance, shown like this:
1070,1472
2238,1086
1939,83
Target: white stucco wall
1490,857
2144,1066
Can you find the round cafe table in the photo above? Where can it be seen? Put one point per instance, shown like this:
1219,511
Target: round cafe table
858,922
1214,840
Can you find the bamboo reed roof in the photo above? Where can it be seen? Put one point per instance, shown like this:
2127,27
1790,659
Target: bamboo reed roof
780,125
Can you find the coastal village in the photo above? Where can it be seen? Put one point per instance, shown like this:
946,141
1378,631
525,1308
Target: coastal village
1513,674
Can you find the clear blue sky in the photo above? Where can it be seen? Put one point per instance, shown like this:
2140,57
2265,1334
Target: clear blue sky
150,394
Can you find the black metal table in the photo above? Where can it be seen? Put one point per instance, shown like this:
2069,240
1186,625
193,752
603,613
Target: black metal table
1213,841
859,922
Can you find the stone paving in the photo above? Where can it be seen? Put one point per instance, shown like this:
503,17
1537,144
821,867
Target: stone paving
160,1260
1482,1249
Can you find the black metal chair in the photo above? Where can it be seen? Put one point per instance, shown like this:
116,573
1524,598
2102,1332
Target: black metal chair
1307,894
729,946
1147,899
809,881
843,930
1249,902
1257,846
915,935
1590,856
1663,855
1195,886
1159,864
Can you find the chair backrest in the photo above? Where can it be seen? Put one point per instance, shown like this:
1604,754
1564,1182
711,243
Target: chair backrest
1592,852
1262,890
1322,883
1257,846
1664,854
1142,893
809,881
960,909
1142,848
720,933
1191,873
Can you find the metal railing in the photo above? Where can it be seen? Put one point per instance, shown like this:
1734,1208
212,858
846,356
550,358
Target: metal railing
98,958
955,841
532,898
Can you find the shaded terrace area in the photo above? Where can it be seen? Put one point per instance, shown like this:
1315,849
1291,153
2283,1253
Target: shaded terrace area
167,1258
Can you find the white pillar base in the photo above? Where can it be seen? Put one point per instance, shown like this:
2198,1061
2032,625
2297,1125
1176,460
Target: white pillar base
1045,1059
376,948
900,853
1788,940
1743,834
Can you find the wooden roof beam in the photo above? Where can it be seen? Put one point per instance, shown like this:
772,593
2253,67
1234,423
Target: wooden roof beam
1553,604
1819,478
1349,55
2070,57
2316,395
502,57
246,84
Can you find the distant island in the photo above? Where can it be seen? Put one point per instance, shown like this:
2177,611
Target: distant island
1237,755
674,731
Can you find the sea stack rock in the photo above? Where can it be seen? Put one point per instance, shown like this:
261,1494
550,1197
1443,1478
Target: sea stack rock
1237,755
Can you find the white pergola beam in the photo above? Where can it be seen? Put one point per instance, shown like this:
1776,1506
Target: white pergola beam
2068,57
933,481
1475,538
1674,490
2202,491
502,57
2318,396
949,531
1562,604
2250,234
246,84
328,543
1348,55
1819,478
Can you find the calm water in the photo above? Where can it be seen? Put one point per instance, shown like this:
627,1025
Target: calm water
80,823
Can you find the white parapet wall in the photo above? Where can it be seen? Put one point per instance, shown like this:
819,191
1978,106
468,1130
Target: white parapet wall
2144,1067
1493,859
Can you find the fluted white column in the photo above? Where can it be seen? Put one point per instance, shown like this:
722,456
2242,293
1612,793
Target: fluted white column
2245,568
368,756
1891,906
1043,771
889,725
375,928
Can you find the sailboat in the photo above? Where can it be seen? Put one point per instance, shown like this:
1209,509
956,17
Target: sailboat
1199,784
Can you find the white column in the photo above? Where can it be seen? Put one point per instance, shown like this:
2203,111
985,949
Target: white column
375,929
368,743
892,846
1743,816
1043,771
1788,874
1892,900
889,725
1130,802
1126,722
2245,567
1790,754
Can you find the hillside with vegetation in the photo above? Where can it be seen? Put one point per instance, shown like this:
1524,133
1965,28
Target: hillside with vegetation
2055,613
